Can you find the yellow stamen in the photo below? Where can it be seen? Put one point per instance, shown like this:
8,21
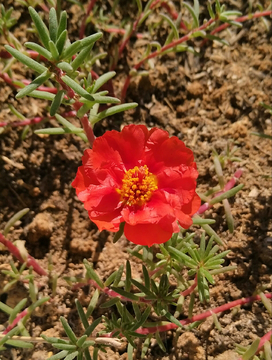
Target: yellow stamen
138,186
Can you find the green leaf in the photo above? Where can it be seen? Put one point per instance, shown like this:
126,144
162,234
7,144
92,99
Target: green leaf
218,39
92,303
110,279
81,57
91,328
71,50
56,102
180,256
231,13
130,348
265,136
126,294
68,347
142,288
171,318
20,344
92,274
40,26
146,346
81,340
90,40
61,42
32,64
39,49
146,277
211,13
212,233
112,110
13,220
62,24
59,355
142,320
119,233
105,99
110,303
118,276
128,277
172,25
193,13
51,131
200,221
33,85
252,350
18,307
200,33
53,50
77,88
208,276
159,341
102,80
53,24
68,330
9,335
72,355
81,314
42,95
5,308
65,66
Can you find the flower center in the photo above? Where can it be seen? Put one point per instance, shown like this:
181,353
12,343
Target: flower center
138,186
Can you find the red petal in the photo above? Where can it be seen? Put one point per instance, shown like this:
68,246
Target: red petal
146,234
110,222
128,144
81,182
193,206
184,220
152,212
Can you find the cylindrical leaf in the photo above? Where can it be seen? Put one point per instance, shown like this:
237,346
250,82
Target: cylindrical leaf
56,102
42,51
40,26
81,57
33,85
53,24
61,41
53,50
89,40
62,23
32,64
77,88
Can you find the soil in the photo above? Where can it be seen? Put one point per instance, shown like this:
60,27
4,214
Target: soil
209,101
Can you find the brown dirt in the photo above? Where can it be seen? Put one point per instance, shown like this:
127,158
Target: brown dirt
208,102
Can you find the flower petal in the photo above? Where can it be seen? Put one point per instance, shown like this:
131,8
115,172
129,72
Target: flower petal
146,234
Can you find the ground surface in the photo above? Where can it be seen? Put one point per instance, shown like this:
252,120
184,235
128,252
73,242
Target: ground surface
207,101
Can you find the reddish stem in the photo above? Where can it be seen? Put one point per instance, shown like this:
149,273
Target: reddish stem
106,291
203,316
239,19
88,129
266,337
30,261
11,82
173,14
15,321
83,24
190,289
227,187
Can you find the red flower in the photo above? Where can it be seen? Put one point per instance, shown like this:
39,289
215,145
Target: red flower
140,177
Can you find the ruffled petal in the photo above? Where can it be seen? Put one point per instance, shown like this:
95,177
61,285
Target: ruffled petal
152,212
128,144
110,222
